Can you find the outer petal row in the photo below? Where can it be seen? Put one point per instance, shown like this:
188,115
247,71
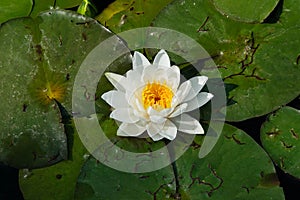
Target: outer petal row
128,129
115,99
162,59
187,124
124,115
197,84
139,62
201,99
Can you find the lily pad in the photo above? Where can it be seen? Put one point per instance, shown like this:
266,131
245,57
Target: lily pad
230,171
57,181
123,15
97,181
254,59
280,138
40,61
31,134
254,11
42,5
10,9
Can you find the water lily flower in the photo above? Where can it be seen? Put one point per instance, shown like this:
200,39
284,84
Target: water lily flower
149,98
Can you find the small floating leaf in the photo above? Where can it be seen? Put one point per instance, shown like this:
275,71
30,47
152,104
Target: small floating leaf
280,136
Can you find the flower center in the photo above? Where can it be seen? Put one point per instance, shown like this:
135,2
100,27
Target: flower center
156,95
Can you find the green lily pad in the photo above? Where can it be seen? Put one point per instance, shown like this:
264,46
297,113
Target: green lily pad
10,9
230,171
97,181
57,181
40,60
290,14
31,134
280,138
257,61
247,11
42,5
123,15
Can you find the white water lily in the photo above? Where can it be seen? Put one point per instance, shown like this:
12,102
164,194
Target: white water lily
149,98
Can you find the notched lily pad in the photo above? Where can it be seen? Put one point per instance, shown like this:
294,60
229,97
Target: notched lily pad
31,135
40,61
280,138
257,61
231,170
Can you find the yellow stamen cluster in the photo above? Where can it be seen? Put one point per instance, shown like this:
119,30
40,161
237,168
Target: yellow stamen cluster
158,96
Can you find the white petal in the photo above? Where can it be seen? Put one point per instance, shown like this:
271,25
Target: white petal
157,119
169,130
153,74
197,84
133,81
179,110
174,78
201,99
153,129
162,113
138,105
139,61
187,124
157,137
124,115
116,99
127,129
182,92
133,76
162,59
116,80
139,110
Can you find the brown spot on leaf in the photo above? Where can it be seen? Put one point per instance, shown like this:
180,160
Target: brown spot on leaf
201,28
235,139
140,12
60,40
143,177
68,76
84,36
288,146
294,134
273,132
24,108
58,176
